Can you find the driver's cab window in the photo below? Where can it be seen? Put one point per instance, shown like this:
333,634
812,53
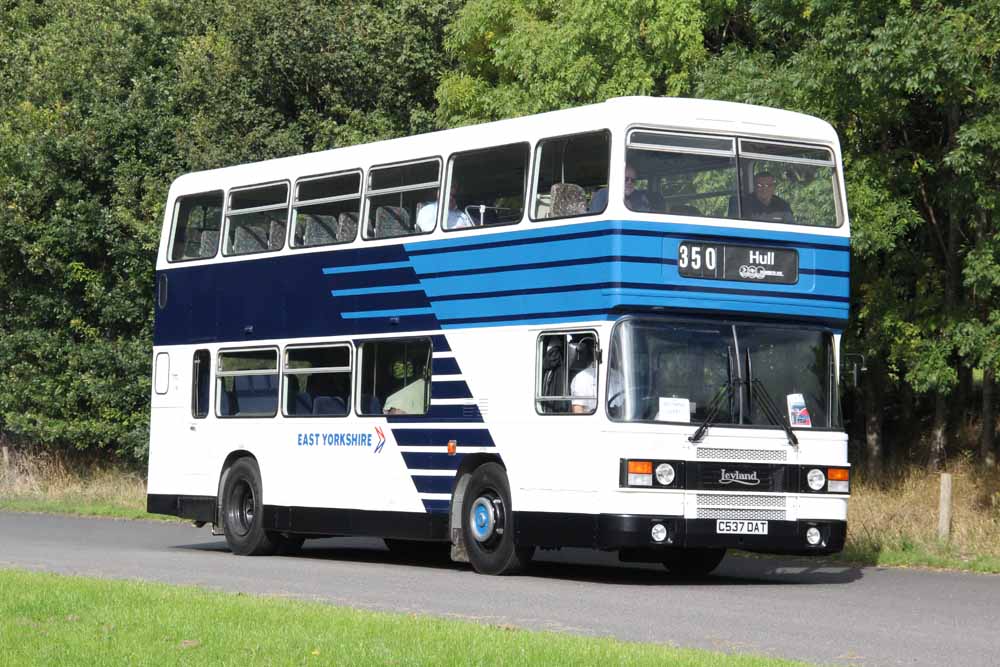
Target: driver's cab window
571,175
567,373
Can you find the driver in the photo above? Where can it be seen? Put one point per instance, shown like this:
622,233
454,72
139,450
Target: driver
583,388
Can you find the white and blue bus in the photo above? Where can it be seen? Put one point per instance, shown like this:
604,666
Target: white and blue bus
615,326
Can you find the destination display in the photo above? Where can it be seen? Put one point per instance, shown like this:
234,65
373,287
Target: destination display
721,261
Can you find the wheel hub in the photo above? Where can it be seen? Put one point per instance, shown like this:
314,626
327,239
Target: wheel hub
485,517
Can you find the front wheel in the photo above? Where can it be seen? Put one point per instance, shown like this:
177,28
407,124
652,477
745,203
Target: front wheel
242,511
693,562
488,523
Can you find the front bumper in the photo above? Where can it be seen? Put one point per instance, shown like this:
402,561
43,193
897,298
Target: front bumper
632,532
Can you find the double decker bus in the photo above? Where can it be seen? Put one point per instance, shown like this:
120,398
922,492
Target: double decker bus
615,326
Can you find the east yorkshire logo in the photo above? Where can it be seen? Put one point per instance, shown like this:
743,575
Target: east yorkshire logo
758,272
738,477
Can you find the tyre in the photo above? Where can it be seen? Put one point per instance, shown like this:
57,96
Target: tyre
693,562
242,511
488,523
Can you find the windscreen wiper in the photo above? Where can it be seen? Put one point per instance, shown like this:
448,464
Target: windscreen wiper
771,411
713,410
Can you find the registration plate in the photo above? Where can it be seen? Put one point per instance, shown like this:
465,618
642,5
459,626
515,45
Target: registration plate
735,527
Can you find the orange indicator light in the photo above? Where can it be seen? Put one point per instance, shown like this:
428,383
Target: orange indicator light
452,444
838,474
640,467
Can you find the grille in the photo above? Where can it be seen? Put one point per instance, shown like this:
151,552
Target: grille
741,500
746,515
719,453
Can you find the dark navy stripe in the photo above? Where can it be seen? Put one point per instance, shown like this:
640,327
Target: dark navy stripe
548,265
445,365
463,414
440,344
457,389
366,255
387,301
433,483
646,286
437,505
596,233
439,437
424,461
388,277
826,272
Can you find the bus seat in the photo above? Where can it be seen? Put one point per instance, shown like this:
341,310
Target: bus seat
256,394
347,227
318,231
568,199
248,239
276,235
370,405
329,406
303,404
392,221
208,245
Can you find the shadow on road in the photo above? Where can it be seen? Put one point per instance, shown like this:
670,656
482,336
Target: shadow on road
585,565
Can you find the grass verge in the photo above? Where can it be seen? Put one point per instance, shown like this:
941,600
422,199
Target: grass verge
892,520
47,483
48,619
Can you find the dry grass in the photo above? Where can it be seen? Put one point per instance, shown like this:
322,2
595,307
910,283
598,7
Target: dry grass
46,482
894,519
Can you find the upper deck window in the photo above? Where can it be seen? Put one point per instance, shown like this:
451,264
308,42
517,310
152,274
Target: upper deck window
681,174
487,188
197,221
724,177
256,219
395,196
571,175
326,210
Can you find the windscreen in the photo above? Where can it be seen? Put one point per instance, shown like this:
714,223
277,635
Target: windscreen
679,372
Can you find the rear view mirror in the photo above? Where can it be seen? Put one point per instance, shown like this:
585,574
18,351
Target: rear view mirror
851,368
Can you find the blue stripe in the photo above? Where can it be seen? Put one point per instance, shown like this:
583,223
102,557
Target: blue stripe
425,461
464,414
445,366
456,389
437,505
564,316
433,483
398,312
606,259
385,289
439,437
642,286
335,270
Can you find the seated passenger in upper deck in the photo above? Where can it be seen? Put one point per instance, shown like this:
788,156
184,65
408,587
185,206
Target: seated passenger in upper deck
763,204
636,200
457,219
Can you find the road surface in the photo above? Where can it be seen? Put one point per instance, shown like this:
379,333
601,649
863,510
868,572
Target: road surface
792,608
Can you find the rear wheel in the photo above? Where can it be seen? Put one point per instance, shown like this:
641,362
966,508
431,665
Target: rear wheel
243,511
693,562
488,523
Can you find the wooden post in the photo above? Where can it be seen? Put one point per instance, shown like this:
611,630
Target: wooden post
5,470
944,508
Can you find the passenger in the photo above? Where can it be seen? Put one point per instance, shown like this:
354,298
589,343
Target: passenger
764,204
457,219
636,200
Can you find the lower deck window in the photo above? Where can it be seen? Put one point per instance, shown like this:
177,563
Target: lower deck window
395,377
247,383
317,381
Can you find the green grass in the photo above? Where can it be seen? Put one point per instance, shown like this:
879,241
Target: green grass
49,619
919,555
80,507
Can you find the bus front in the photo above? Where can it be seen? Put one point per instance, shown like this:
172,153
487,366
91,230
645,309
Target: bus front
721,383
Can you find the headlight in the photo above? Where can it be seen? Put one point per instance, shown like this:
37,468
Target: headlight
816,479
665,474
